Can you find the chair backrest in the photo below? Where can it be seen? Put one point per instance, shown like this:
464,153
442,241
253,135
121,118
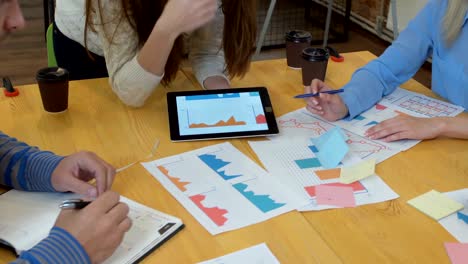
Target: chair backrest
51,60
49,12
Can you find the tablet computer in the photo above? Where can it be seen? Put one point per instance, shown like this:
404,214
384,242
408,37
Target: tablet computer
226,113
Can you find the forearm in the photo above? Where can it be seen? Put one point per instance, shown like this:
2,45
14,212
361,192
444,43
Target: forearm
58,247
207,54
454,127
155,52
24,167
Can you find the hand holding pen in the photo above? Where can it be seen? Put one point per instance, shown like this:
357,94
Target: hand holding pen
99,227
307,95
325,102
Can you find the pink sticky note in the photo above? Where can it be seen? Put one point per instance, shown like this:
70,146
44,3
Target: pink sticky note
342,196
458,252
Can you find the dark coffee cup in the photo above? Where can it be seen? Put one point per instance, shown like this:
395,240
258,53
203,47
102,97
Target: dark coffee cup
53,86
314,64
296,41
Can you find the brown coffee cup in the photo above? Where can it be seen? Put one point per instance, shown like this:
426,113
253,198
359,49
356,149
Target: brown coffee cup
53,86
296,41
314,64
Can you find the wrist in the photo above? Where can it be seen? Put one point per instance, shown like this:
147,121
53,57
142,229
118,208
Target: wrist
163,30
441,125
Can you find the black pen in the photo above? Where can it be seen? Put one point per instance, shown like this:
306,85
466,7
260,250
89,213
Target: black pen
74,204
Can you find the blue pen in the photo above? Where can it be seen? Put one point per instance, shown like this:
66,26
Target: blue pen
315,94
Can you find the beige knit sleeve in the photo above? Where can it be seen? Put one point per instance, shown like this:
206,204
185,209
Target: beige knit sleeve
206,53
119,42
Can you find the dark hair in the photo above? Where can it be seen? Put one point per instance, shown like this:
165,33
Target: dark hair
239,37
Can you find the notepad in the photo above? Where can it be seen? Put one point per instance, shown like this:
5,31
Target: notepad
435,204
357,172
31,215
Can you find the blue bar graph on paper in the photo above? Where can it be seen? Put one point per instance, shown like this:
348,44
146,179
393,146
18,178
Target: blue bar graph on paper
313,149
211,96
372,123
308,163
216,164
262,202
359,117
463,217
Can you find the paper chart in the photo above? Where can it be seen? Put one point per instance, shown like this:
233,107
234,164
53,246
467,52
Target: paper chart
221,187
284,160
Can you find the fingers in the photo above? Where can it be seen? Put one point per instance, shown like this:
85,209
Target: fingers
102,171
396,136
104,203
315,110
388,130
81,187
118,213
125,225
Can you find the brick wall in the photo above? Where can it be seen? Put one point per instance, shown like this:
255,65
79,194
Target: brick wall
369,9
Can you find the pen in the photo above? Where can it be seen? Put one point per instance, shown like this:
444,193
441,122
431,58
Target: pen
315,94
74,204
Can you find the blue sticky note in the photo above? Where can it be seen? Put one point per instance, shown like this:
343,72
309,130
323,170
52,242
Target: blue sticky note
332,148
463,217
308,163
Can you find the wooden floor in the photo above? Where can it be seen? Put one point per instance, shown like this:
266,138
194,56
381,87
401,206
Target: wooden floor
25,52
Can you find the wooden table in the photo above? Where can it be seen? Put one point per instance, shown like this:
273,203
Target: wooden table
390,232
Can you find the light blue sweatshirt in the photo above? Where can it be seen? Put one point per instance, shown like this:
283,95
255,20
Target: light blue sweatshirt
421,39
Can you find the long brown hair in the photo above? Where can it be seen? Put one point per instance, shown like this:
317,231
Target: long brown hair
239,37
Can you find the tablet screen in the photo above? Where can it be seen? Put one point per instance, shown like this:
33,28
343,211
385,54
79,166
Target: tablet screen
222,113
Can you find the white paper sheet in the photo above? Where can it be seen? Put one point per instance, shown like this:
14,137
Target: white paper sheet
259,254
222,188
455,226
301,126
279,158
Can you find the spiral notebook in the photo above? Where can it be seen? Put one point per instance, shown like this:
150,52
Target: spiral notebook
27,218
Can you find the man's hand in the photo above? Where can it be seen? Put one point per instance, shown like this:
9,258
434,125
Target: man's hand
99,227
75,171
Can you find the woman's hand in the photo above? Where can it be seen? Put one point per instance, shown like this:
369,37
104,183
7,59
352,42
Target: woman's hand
183,16
405,127
329,106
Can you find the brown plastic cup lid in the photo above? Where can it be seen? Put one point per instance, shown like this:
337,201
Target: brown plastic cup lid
315,54
298,36
52,74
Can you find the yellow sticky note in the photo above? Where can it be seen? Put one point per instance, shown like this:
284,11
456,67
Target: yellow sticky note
357,172
435,204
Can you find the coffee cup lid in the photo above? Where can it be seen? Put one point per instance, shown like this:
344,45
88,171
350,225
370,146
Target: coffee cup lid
298,36
315,54
52,73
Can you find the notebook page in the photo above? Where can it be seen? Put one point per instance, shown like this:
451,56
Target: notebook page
31,215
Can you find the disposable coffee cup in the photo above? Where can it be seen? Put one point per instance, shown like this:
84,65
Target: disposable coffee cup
314,64
53,86
296,42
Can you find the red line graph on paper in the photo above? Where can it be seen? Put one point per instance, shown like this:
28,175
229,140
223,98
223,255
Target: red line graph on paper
362,147
427,106
316,126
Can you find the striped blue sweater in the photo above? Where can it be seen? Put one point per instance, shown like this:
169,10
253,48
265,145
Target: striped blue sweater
27,168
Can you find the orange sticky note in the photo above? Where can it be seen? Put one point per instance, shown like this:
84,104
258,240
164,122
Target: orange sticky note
328,174
458,252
